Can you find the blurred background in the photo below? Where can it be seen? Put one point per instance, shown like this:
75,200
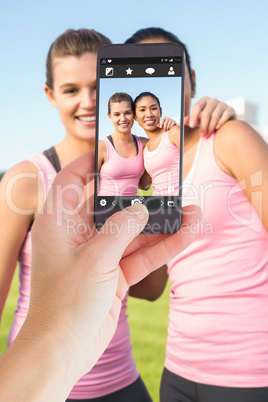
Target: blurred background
227,40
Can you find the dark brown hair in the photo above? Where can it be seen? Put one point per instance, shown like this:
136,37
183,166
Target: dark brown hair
120,97
73,43
141,95
161,34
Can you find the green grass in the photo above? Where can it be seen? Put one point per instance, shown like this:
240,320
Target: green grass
1,175
10,307
144,193
148,327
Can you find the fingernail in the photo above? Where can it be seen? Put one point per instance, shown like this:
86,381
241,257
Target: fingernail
192,124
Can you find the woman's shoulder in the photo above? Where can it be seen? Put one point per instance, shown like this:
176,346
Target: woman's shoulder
236,142
174,135
102,151
143,141
103,144
24,169
237,136
234,131
21,183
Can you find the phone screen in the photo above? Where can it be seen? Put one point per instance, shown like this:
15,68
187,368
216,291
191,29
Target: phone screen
136,162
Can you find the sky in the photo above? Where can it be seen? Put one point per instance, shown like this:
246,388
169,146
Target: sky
227,41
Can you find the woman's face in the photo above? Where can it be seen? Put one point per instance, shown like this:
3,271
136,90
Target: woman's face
148,113
74,94
189,90
122,116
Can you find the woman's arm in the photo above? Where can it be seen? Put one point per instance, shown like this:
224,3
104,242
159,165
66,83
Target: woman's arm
145,181
151,287
242,153
18,207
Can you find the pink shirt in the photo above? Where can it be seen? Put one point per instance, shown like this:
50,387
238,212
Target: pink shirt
119,175
48,173
163,165
116,368
218,328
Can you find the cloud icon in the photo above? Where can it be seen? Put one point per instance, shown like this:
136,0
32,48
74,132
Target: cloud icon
150,70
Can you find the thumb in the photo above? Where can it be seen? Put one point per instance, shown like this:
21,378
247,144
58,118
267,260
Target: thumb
186,120
119,231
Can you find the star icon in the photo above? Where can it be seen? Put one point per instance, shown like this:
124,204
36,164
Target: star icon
129,71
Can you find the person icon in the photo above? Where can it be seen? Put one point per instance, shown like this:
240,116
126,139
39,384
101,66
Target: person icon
171,71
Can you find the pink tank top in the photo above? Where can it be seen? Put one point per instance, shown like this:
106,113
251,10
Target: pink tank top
119,175
163,165
116,368
48,173
218,327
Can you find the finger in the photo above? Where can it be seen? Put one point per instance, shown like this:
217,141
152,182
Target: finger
170,124
194,117
216,116
141,241
210,111
162,122
228,114
144,240
186,120
142,262
86,209
213,116
81,169
82,222
119,230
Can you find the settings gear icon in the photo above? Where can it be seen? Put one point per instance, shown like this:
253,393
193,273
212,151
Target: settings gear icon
103,202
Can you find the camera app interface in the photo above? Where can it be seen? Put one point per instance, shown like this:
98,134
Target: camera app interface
139,135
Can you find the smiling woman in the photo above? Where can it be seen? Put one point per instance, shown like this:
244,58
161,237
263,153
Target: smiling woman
74,95
219,284
71,88
162,151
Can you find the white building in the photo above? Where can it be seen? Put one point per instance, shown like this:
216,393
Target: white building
248,111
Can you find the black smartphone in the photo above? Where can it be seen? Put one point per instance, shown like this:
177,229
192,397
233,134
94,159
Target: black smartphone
136,161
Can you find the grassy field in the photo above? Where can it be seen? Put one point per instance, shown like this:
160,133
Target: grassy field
148,325
7,318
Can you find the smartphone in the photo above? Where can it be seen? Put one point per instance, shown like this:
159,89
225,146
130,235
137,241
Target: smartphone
138,168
